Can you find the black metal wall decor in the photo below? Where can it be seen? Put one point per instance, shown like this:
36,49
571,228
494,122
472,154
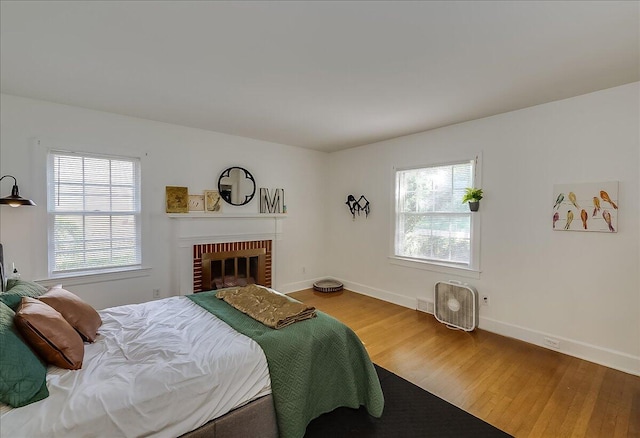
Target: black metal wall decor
358,206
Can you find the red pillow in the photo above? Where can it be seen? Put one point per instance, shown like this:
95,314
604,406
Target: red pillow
49,334
78,313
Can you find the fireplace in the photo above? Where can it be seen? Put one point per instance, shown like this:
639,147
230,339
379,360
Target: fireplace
218,265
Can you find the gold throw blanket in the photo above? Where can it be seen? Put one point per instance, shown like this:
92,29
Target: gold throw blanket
269,308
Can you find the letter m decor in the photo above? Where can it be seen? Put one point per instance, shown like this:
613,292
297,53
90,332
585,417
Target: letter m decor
271,204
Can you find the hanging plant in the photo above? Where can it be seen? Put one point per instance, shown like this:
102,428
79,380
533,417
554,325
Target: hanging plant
473,197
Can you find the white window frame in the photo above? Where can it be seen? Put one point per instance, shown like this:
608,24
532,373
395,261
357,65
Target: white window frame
51,214
472,270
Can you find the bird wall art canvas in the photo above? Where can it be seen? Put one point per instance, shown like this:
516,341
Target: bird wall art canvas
585,207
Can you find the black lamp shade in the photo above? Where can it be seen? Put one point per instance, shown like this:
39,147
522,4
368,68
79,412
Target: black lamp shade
15,200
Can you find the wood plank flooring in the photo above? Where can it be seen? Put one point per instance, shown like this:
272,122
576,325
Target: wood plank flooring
525,390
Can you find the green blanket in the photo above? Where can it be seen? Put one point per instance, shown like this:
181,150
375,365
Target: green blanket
315,365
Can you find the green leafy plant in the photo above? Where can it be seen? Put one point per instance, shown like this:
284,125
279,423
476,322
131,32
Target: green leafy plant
472,195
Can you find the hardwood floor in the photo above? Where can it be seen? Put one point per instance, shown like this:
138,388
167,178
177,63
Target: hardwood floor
525,390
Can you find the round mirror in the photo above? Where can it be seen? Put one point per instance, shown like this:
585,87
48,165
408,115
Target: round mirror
236,186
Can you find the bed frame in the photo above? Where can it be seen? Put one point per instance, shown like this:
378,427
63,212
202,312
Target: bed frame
255,419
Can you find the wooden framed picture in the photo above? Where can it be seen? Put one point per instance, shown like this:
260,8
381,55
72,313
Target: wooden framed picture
196,202
177,199
212,201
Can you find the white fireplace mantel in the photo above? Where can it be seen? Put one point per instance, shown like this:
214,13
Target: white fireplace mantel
191,229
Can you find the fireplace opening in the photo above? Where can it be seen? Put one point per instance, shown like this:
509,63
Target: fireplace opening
233,268
219,265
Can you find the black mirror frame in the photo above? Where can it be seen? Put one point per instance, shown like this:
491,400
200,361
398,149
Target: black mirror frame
226,194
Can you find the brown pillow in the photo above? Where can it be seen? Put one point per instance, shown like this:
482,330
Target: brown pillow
78,313
49,334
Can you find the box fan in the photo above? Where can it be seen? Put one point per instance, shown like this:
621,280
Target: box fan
456,305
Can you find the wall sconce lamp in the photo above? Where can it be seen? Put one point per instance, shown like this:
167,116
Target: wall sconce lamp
14,200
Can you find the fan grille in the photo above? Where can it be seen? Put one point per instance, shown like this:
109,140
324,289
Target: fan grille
456,305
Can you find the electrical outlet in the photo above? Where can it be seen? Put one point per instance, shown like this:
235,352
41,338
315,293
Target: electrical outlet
156,293
304,269
485,300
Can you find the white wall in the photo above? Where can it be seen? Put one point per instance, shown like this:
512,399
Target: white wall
171,155
582,288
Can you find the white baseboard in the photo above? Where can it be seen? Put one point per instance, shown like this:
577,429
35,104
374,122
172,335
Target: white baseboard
592,353
287,288
379,293
603,356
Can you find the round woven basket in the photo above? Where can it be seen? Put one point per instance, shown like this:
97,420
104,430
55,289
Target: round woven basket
328,285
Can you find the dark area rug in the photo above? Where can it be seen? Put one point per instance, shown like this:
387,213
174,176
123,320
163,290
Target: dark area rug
409,411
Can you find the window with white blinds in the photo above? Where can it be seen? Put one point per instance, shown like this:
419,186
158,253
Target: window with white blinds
432,223
94,212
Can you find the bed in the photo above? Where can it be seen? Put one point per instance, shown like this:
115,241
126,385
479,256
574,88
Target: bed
193,366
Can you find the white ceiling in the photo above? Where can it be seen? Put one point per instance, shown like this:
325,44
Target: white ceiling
321,75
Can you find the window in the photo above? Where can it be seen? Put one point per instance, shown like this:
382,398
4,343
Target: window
432,223
93,211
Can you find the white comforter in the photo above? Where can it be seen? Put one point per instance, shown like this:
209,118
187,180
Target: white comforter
158,369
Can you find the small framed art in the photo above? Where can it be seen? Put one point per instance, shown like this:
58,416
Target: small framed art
177,199
196,202
212,201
